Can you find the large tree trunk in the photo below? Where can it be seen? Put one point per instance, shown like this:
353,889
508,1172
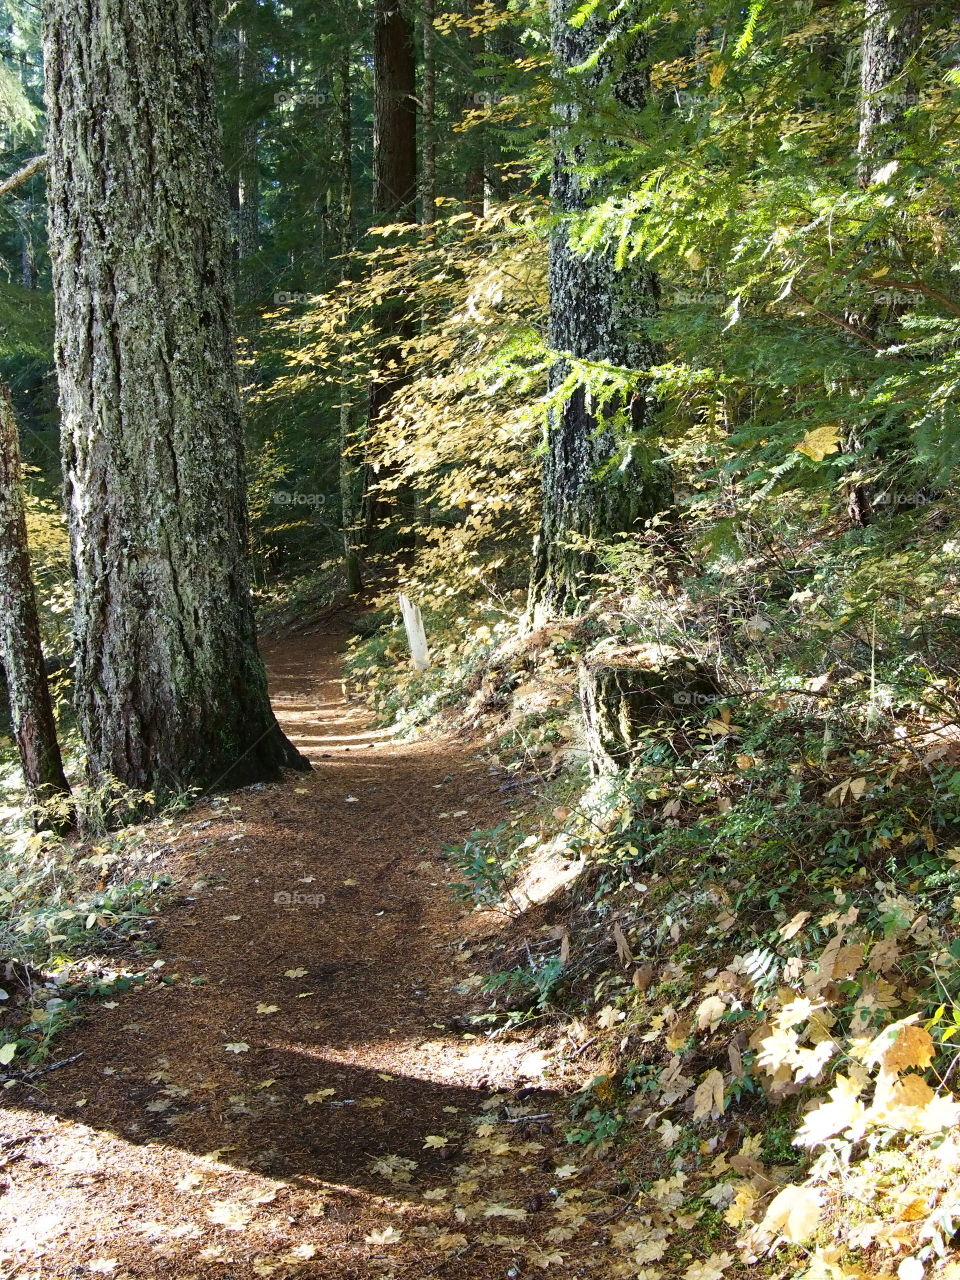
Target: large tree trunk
394,200
394,112
596,312
890,36
34,725
171,691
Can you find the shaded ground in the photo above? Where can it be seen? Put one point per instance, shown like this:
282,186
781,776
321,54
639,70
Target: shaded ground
259,1115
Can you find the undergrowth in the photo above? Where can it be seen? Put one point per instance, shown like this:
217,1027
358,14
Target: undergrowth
752,957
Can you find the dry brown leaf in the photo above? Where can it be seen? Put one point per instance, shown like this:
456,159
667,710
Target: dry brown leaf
708,1097
913,1047
624,953
794,925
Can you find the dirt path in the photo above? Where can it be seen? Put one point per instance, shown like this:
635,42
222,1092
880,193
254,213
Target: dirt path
254,1115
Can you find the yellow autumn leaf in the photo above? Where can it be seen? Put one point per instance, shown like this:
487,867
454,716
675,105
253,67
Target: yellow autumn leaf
794,1214
818,443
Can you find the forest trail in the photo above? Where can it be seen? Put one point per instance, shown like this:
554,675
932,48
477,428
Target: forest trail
253,1116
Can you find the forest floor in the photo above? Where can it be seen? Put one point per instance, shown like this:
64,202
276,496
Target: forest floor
295,1094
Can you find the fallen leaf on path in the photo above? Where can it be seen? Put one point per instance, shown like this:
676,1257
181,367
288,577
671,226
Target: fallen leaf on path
318,1095
268,1008
237,1046
504,1211
435,1140
190,1181
389,1235
296,973
229,1214
450,1240
103,1266
304,1251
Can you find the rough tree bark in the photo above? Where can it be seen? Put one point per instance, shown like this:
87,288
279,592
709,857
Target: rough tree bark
171,691
394,200
596,313
890,36
34,725
394,112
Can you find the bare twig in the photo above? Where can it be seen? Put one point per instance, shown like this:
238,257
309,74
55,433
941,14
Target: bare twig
23,175
44,1071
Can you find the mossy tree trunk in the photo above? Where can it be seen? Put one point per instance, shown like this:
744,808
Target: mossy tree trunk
171,691
21,651
593,488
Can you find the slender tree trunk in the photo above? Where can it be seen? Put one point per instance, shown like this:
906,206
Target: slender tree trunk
27,270
428,176
475,177
34,725
171,691
394,199
592,489
349,480
248,167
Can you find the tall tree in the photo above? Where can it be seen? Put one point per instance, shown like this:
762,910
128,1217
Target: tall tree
592,488
394,189
348,472
21,651
394,111
428,176
891,31
171,691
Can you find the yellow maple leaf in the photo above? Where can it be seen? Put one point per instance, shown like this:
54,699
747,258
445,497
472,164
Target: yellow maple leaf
818,443
794,1214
